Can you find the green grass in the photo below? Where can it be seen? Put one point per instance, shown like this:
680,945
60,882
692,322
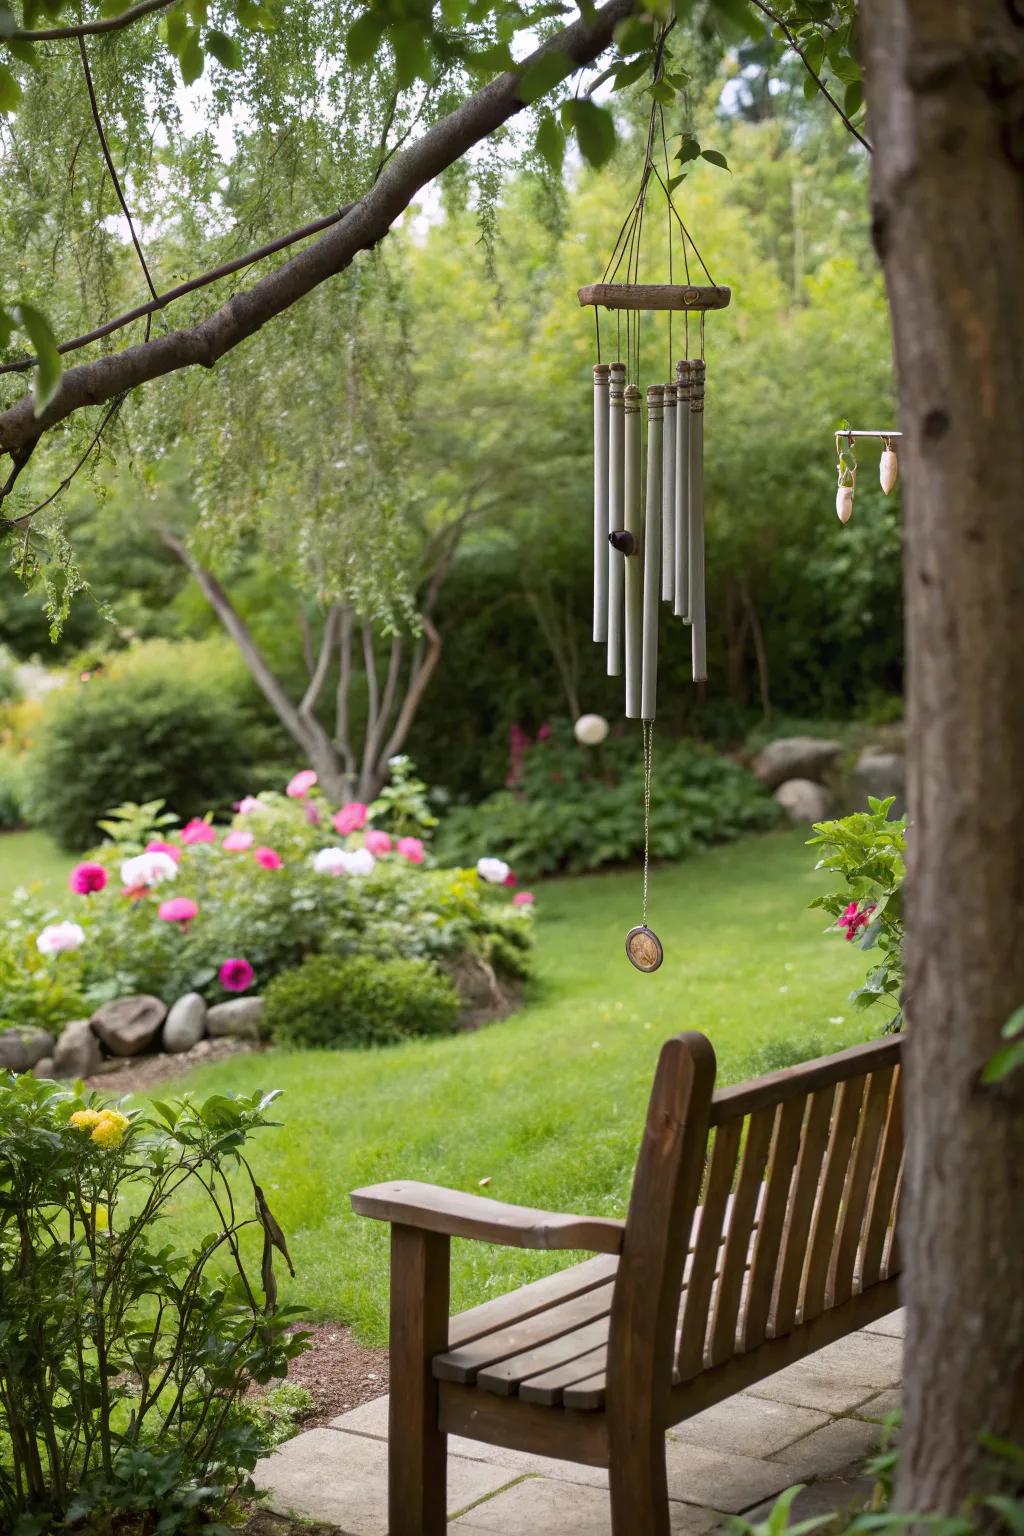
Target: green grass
548,1106
32,858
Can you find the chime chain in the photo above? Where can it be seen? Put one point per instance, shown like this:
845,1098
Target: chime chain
648,726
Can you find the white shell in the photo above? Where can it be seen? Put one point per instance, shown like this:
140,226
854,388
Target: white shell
888,470
844,503
591,730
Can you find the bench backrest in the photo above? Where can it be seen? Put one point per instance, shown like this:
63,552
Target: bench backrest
756,1208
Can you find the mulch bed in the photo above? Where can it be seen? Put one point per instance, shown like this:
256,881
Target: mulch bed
140,1074
338,1373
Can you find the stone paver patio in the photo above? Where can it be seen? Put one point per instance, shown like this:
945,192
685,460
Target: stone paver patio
814,1423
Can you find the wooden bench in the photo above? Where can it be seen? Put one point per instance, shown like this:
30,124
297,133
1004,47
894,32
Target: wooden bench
761,1226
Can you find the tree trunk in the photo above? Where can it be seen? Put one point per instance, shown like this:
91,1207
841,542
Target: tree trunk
945,87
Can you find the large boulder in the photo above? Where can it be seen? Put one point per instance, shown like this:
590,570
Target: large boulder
804,801
241,1017
77,1052
881,773
129,1025
44,1067
185,1025
795,757
22,1046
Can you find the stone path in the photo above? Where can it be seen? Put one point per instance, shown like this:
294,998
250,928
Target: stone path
814,1423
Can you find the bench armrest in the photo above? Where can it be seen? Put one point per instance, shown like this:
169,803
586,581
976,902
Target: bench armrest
457,1214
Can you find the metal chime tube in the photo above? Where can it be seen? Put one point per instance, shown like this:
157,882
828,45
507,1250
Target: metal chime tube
634,573
601,550
616,495
681,607
698,617
668,496
652,548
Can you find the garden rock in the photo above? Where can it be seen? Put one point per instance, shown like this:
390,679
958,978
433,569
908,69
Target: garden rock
20,1049
881,773
44,1067
804,801
795,757
129,1025
240,1017
77,1052
185,1025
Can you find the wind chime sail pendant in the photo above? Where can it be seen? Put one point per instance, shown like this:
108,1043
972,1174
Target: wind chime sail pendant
648,533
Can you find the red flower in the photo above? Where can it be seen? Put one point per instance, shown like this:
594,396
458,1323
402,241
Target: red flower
86,878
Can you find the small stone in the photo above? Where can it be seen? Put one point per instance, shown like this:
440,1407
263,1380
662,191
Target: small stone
77,1052
804,801
185,1025
241,1017
795,757
21,1047
129,1025
44,1067
879,773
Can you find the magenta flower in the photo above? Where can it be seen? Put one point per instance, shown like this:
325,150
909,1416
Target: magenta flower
246,804
523,899
197,831
544,734
267,857
171,849
411,848
855,918
299,786
86,878
312,814
378,842
236,975
180,909
351,818
510,878
238,842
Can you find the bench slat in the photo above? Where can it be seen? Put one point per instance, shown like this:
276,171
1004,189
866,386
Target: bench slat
830,1194
463,1363
504,1376
807,1077
548,1389
883,1190
538,1296
858,1186
737,1246
789,1121
813,1145
892,1263
704,1267
587,1395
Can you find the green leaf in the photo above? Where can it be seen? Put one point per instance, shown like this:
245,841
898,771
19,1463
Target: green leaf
10,90
551,142
113,7
734,19
412,60
715,157
634,35
595,130
46,379
853,98
226,50
543,75
628,73
675,181
6,326
26,52
662,93
254,16
364,37
7,21
688,150
191,59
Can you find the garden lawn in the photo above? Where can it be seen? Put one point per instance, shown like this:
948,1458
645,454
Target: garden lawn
546,1109
32,858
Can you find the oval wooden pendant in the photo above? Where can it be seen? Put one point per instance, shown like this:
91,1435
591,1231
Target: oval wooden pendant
644,949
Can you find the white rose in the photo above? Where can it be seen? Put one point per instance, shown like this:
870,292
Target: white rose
148,869
360,862
329,861
59,936
494,871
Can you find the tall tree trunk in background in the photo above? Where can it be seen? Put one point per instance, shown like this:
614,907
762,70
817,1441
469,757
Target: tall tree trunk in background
945,89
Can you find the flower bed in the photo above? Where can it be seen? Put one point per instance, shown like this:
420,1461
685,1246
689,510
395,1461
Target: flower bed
161,912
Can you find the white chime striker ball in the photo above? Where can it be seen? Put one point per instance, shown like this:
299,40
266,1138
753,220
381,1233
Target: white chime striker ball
591,730
888,470
844,503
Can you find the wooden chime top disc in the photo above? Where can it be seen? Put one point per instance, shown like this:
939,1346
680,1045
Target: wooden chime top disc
644,949
663,296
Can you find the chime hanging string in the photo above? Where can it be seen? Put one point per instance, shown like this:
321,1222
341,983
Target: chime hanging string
648,729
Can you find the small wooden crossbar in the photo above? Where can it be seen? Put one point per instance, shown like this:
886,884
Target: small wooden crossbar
663,296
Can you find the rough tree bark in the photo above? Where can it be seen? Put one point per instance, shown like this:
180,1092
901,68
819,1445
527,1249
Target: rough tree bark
945,90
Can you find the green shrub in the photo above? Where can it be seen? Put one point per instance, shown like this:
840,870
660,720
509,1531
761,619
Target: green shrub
580,808
174,720
125,1363
359,1001
13,789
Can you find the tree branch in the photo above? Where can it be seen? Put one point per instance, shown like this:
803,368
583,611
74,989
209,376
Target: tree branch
92,28
819,82
341,731
414,693
362,227
323,662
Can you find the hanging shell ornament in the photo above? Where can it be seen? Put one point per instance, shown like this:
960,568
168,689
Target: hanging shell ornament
844,497
888,469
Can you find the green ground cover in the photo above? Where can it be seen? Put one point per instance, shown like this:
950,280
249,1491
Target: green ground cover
32,858
548,1105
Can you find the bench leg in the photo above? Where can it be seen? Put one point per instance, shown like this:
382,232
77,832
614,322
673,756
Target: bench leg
417,1450
638,1486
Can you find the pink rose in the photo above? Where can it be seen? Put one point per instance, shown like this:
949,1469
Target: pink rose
197,831
411,848
299,786
180,909
351,818
246,804
378,842
312,814
86,878
236,975
523,899
171,850
238,842
267,857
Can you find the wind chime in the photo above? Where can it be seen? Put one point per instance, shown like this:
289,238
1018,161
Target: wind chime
846,467
649,528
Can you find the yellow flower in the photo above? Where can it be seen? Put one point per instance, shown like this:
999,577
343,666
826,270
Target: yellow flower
110,1128
85,1119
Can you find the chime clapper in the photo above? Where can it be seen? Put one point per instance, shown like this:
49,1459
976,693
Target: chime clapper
888,468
